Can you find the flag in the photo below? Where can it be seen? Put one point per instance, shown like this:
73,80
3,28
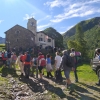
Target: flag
46,37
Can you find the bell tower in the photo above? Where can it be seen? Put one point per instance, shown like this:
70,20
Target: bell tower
32,25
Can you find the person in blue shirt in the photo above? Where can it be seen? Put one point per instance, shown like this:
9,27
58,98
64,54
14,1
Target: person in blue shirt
48,66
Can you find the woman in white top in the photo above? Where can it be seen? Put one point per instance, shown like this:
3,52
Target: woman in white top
57,60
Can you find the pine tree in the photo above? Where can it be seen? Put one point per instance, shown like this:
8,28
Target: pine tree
81,43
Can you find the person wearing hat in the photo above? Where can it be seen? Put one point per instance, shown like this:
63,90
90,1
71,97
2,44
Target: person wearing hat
75,56
67,69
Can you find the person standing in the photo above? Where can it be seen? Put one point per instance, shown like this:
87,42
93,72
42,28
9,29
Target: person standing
19,61
57,72
34,66
27,64
13,59
67,64
57,60
76,61
4,58
48,66
9,58
98,51
41,62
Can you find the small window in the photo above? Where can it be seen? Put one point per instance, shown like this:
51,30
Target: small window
17,31
49,40
40,39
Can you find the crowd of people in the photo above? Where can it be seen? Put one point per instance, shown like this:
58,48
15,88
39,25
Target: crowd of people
28,65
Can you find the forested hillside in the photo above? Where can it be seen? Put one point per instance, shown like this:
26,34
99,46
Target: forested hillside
56,35
91,31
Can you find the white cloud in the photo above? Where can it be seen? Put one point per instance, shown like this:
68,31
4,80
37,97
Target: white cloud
27,16
74,3
76,8
42,19
66,28
57,3
42,27
1,21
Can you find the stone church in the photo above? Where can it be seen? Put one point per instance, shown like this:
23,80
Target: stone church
22,38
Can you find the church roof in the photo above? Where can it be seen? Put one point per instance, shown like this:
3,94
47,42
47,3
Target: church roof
19,26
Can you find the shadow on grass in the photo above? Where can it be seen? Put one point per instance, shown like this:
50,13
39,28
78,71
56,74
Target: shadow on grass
83,93
6,71
91,87
81,96
36,86
55,90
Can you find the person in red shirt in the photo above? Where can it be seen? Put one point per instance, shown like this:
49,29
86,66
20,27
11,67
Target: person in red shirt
27,64
41,63
4,58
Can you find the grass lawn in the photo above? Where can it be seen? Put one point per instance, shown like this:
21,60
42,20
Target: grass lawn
85,74
2,47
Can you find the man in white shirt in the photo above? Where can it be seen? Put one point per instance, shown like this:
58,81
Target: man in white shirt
57,60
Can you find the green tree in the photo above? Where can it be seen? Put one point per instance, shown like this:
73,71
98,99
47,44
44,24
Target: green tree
81,43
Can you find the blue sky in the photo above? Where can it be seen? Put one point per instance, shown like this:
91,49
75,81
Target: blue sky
59,14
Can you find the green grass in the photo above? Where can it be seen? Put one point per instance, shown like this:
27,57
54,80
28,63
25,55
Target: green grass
85,74
2,47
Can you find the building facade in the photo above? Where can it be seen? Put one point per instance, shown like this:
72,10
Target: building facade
20,37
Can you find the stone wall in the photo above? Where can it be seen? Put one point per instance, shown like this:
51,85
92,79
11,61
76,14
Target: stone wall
19,37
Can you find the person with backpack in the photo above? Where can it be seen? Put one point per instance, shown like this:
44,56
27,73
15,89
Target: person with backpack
27,64
98,52
19,61
13,59
41,63
9,58
67,64
33,66
58,75
76,61
4,58
48,66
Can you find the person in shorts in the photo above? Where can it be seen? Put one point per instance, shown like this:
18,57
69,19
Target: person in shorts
48,66
41,62
67,69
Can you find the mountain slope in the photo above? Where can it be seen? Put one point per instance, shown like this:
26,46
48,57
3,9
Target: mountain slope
2,40
91,29
86,25
56,35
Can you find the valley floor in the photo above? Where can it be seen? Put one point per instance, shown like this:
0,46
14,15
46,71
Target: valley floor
13,87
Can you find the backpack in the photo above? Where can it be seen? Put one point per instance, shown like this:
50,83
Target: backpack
14,57
69,61
78,57
28,58
58,76
21,58
35,61
42,62
5,55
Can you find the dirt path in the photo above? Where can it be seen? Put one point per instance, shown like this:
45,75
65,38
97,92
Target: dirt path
34,89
